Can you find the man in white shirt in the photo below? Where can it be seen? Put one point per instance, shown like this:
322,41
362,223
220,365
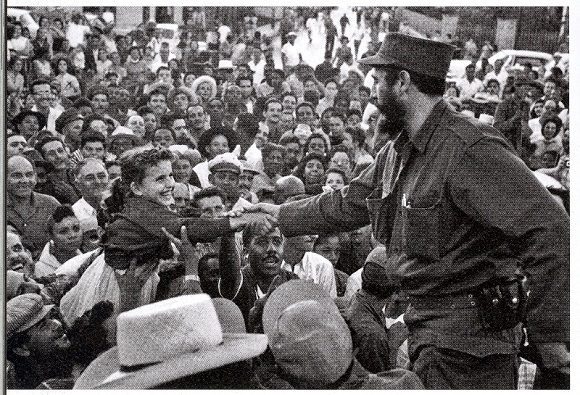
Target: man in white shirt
257,65
290,54
92,180
223,30
43,98
469,85
498,73
308,265
162,58
76,32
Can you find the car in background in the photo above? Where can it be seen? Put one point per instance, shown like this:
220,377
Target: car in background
24,17
170,32
513,60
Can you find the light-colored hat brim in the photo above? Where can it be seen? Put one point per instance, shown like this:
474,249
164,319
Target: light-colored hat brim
104,372
287,294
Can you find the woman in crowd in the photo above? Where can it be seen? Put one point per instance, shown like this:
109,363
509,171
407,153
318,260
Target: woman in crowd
551,142
14,76
335,179
316,144
311,171
331,89
205,87
69,84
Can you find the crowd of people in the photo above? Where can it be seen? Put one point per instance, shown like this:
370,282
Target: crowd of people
142,174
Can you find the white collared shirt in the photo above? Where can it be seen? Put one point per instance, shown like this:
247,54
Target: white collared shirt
316,268
47,263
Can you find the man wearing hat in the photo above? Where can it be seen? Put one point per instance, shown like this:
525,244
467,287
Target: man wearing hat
249,171
511,115
122,139
224,173
209,348
291,56
28,123
458,211
312,345
37,344
70,124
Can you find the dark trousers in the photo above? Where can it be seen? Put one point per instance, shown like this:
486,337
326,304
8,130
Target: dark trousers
329,45
440,368
356,46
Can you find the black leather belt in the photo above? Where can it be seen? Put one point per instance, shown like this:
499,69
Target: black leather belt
459,301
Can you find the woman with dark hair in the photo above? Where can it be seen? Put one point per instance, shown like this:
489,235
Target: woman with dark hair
316,144
211,143
14,76
311,170
69,84
551,142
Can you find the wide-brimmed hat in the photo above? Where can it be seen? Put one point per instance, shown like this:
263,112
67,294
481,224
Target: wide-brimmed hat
172,339
420,55
23,114
307,335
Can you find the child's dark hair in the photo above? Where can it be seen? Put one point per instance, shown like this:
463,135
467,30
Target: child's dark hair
134,167
60,213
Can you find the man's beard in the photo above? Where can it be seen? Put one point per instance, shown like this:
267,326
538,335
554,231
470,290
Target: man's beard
393,120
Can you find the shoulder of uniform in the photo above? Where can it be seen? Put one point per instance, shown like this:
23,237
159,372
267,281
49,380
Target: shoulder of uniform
470,130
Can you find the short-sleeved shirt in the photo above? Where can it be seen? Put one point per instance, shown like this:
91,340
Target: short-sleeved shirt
31,224
292,54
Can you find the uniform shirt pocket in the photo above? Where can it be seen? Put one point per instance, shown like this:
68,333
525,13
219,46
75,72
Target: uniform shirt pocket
421,231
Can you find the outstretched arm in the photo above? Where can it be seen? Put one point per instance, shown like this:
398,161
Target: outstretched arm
337,211
230,274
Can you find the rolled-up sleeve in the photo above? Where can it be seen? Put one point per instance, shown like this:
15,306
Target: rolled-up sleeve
495,188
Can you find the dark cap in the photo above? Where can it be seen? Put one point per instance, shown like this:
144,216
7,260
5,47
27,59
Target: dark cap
419,55
66,117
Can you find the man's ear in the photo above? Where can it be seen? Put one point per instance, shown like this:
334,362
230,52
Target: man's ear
21,351
405,81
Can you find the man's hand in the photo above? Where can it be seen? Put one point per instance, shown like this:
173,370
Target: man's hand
183,244
272,209
263,223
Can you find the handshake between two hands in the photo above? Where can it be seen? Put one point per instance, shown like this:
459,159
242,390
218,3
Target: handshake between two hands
262,217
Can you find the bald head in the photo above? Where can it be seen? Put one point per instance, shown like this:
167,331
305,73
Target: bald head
21,177
287,187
